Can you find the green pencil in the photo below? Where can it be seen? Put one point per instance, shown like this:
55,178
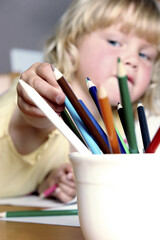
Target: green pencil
68,120
39,213
127,108
122,141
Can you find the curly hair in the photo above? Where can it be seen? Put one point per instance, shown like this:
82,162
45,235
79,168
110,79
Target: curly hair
85,16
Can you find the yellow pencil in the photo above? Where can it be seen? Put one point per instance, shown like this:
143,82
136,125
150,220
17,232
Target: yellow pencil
108,119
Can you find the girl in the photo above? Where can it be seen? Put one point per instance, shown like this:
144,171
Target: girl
90,36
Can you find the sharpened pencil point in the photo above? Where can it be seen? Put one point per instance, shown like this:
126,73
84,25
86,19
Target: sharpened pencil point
57,73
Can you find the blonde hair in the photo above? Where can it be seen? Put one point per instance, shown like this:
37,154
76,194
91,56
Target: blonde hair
85,16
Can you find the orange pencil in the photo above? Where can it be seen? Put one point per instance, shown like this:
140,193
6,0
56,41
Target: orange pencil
108,119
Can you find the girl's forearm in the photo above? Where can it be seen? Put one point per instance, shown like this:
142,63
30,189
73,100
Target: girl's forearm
28,134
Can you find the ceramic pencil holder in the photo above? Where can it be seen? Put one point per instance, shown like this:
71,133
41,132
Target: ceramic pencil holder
118,195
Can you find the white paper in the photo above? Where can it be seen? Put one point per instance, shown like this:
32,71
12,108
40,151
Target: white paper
35,201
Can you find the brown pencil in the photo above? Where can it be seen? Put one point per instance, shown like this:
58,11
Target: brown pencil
108,119
78,107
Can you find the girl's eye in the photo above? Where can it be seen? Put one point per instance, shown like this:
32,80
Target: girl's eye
114,42
145,56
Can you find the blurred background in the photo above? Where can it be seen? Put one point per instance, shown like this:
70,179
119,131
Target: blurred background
25,25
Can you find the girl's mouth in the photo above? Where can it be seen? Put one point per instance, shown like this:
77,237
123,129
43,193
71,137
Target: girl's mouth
130,79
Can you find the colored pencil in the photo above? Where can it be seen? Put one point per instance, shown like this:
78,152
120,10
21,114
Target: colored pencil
143,125
39,213
122,145
54,118
154,143
68,120
121,116
82,128
99,128
93,92
48,191
85,118
127,108
108,119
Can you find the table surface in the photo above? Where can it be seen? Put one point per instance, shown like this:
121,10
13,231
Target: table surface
34,231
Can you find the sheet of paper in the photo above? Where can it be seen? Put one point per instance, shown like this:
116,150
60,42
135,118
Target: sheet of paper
35,201
58,220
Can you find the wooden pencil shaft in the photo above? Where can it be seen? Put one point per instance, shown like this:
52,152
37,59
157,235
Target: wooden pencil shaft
68,120
108,120
54,118
39,213
143,127
102,132
154,143
93,92
91,143
85,118
129,120
121,116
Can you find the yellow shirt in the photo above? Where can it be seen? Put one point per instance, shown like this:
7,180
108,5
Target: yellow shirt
20,174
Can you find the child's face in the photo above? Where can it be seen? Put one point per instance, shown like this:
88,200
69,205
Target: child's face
98,54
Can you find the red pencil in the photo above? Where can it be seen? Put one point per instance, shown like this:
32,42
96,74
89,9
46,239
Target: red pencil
154,143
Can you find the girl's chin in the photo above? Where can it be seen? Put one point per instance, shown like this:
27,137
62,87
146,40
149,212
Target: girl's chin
114,102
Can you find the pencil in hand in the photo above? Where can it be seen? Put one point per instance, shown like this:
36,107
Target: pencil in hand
78,107
108,119
53,117
49,191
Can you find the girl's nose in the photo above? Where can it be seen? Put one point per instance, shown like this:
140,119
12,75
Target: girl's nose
131,62
130,59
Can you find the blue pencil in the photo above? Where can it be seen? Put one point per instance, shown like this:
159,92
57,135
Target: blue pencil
101,131
82,128
122,145
143,126
93,92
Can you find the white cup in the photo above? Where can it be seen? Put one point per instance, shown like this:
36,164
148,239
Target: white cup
118,195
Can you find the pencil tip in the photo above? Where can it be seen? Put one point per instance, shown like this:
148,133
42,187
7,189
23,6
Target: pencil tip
87,79
57,73
119,60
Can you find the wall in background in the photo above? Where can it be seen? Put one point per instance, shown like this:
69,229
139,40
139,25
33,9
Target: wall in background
26,24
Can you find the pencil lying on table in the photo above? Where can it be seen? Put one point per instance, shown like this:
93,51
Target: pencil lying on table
39,213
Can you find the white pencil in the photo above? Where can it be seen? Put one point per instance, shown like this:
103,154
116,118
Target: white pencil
54,118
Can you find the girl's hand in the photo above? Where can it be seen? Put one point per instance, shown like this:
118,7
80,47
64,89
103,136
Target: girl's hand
64,178
41,77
